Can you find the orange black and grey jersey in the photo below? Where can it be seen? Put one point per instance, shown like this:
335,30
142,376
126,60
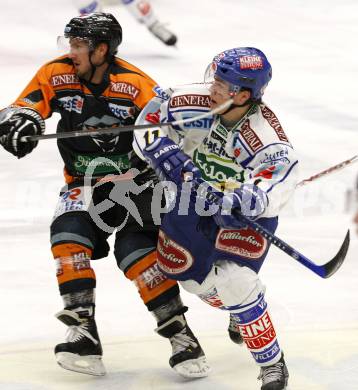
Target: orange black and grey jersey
117,101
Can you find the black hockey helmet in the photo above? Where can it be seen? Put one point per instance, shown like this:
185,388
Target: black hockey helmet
96,27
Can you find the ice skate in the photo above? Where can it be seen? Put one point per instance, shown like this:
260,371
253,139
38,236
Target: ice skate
274,377
188,358
82,351
162,33
234,332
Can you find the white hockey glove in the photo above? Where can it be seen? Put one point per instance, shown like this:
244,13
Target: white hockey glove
17,122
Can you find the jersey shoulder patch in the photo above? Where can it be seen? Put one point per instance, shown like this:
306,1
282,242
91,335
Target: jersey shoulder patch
273,121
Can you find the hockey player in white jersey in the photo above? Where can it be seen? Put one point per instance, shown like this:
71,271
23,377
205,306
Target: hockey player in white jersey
141,10
248,160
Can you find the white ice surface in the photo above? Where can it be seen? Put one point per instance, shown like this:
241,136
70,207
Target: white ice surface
312,47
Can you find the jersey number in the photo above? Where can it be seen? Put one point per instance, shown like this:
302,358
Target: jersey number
148,134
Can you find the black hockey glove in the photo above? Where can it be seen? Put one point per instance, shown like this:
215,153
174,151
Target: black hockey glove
17,122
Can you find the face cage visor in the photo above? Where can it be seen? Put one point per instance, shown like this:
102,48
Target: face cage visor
74,45
215,83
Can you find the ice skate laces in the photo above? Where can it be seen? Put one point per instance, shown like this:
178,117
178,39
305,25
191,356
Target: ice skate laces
76,333
181,342
272,373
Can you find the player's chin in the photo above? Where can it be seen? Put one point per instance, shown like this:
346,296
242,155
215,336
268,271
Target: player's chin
80,72
213,104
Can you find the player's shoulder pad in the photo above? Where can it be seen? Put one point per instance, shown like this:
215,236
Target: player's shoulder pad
261,129
64,59
58,72
189,97
272,125
188,101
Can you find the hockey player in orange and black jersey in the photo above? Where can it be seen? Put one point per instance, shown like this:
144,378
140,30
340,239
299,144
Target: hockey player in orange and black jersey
91,88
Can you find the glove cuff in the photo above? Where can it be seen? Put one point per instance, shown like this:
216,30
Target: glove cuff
33,114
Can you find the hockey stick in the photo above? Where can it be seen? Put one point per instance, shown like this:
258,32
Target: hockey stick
324,271
335,168
124,129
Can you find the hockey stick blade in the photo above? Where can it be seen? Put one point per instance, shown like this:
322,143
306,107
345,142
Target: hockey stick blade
324,271
124,129
332,266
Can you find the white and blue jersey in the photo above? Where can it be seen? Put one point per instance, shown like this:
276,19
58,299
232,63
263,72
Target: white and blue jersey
257,151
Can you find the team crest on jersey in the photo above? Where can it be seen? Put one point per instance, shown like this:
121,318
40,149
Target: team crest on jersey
107,142
125,88
172,257
243,242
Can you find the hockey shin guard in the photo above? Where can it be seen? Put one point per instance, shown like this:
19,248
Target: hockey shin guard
153,286
74,272
258,332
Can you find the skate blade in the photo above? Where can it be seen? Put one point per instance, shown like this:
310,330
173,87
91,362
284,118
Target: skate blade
193,368
91,364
